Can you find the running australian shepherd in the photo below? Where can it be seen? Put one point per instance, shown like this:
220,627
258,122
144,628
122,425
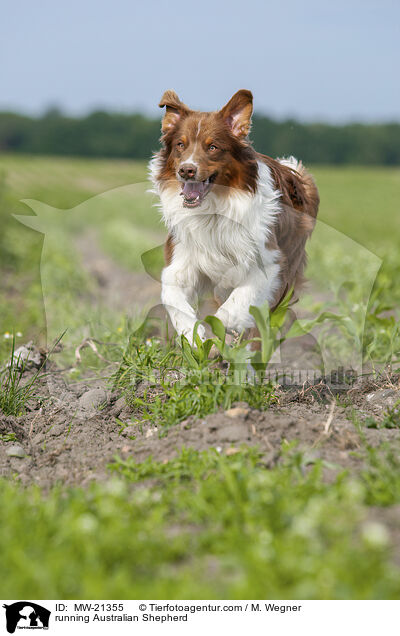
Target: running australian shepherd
238,220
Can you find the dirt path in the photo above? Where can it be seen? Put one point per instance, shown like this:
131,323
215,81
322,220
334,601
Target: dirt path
115,286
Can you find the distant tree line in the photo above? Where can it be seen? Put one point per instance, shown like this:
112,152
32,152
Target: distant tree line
135,136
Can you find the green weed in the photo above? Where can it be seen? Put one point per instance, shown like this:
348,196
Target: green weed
203,525
391,418
381,477
181,381
14,392
8,437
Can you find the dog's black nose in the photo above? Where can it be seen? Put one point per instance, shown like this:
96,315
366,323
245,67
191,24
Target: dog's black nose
187,171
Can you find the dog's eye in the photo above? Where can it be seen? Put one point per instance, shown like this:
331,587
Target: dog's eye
212,147
180,145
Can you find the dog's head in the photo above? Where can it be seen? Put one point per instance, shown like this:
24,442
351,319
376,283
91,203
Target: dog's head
204,150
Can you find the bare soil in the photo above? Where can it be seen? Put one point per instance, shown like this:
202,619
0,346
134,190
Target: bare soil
74,431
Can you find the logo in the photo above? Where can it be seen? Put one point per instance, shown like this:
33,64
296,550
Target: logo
26,615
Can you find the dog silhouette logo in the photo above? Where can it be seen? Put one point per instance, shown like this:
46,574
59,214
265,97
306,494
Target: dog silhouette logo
26,615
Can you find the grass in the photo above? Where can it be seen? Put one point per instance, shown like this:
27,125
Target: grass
181,382
37,268
391,418
8,437
362,203
106,201
15,390
381,478
204,526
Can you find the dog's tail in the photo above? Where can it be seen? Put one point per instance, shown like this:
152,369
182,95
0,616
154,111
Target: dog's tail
310,202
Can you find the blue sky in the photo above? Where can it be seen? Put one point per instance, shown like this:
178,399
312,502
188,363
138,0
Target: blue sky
332,61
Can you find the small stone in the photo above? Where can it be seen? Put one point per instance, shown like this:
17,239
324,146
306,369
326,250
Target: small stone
232,451
237,411
91,400
151,431
26,357
382,399
118,407
16,451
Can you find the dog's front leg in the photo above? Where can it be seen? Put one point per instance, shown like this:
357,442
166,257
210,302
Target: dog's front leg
259,286
178,293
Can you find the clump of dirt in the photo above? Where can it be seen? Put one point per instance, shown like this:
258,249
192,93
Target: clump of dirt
72,432
61,434
322,430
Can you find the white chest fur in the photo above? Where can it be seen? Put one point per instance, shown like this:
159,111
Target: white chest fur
225,240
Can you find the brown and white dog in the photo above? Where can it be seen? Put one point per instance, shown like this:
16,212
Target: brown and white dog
238,220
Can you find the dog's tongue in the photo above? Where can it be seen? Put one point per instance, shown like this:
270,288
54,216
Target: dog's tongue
193,189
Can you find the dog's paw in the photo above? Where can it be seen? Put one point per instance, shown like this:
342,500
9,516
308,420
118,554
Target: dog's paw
234,321
188,333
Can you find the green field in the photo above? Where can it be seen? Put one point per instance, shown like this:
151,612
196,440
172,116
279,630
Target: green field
204,525
359,206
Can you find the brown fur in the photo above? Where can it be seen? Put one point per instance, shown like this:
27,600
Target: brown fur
235,163
168,249
294,225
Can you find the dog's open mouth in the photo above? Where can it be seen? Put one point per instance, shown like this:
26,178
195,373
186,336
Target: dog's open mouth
194,192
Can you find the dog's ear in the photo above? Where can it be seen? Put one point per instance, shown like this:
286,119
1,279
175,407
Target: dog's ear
175,109
237,113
